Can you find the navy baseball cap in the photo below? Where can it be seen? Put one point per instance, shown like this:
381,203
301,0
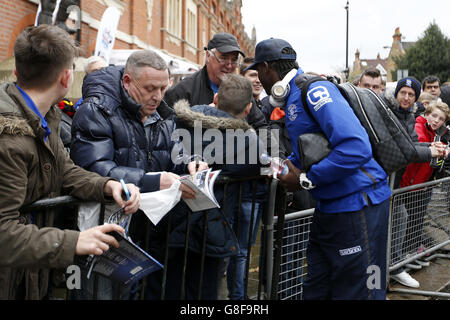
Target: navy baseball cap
225,43
271,50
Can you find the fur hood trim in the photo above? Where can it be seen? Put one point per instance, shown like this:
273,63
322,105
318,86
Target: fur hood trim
15,126
218,119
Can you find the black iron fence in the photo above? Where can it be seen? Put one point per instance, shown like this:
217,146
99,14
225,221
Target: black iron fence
270,260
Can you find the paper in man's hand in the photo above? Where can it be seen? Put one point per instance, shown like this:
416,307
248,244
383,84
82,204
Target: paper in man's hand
157,204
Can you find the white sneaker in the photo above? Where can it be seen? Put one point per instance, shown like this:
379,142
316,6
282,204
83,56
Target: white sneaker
405,279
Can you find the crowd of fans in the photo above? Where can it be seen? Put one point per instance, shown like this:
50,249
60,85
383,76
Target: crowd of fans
123,127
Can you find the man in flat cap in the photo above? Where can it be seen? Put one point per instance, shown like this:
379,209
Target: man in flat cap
222,57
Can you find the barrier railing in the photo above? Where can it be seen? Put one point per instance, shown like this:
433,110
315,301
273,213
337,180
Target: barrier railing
292,265
419,226
100,288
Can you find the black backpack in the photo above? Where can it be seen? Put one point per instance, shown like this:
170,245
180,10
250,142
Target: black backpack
392,146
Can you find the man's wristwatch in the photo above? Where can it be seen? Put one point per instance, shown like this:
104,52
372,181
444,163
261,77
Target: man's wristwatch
305,183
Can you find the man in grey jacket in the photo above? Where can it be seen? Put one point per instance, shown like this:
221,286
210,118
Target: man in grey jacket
401,102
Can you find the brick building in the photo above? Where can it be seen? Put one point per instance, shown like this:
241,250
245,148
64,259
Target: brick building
179,28
387,65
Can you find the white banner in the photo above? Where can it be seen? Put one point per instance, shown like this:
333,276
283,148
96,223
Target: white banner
107,33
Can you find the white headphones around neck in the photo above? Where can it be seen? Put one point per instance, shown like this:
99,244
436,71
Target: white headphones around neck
280,90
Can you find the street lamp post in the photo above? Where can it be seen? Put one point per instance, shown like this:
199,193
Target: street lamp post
346,71
78,35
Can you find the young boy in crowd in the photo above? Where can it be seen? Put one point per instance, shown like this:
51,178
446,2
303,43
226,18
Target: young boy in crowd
234,157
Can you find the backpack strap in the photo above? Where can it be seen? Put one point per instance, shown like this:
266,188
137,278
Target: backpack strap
303,82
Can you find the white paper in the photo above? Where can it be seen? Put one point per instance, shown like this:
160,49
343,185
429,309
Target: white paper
157,204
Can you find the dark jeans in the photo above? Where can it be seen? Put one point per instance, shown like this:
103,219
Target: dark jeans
236,272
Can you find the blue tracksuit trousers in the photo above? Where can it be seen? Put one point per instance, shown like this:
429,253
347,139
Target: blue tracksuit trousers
346,254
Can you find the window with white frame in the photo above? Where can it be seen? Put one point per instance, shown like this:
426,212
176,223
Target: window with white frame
174,8
191,23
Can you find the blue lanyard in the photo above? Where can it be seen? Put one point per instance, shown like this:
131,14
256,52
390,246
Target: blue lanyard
33,107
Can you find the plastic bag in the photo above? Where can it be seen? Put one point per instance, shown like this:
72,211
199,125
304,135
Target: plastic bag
89,214
157,204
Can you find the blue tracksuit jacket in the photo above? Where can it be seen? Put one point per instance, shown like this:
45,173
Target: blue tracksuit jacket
349,176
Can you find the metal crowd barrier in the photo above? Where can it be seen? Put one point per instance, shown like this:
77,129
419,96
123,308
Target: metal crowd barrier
42,207
222,285
419,226
292,255
276,265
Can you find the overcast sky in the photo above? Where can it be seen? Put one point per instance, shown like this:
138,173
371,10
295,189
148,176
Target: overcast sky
317,28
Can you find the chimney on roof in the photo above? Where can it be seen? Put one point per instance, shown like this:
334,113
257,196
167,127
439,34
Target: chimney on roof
254,34
397,35
357,63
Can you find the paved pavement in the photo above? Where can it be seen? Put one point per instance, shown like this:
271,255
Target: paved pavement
434,278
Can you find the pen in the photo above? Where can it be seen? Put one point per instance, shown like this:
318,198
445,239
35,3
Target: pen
125,189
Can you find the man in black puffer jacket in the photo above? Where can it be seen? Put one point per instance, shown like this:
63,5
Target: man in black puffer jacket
117,132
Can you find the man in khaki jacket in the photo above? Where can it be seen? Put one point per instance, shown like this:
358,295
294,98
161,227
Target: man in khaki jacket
34,165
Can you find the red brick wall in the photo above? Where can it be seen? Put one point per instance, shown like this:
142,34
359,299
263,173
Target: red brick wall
15,15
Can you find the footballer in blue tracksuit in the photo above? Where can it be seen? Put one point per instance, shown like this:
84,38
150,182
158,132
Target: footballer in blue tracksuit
346,253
